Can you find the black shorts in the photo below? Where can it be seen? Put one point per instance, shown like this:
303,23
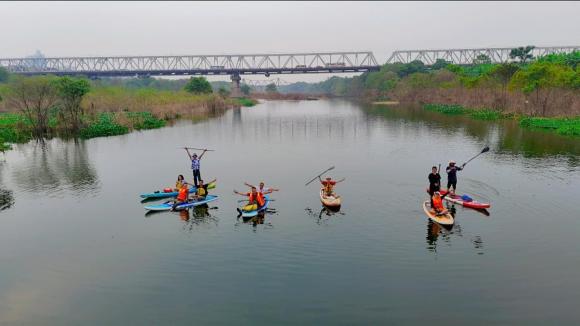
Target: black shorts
454,184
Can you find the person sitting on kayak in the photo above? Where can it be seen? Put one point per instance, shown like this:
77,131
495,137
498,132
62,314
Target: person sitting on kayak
328,185
434,183
179,182
182,196
195,166
256,200
437,203
452,175
261,189
201,191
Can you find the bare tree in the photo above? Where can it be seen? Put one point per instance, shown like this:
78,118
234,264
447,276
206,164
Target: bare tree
34,96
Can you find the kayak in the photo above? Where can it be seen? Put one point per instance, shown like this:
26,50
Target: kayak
330,201
168,205
446,219
256,211
162,194
464,200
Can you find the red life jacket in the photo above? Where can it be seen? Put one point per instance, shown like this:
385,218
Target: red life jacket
183,192
259,197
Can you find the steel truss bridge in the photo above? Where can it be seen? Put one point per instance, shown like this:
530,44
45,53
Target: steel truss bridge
235,65
467,56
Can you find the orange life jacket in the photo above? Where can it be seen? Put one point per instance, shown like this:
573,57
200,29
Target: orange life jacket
328,186
259,197
183,192
438,204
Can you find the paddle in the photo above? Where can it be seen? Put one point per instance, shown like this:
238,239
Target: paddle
199,149
484,150
309,182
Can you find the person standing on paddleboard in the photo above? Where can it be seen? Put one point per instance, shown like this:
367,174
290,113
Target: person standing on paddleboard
452,175
434,182
195,166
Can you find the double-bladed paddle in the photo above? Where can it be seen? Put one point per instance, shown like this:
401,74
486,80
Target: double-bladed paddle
309,182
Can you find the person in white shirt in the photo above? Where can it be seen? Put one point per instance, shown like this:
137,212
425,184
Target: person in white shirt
262,189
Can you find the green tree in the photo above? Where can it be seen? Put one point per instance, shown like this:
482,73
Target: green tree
4,75
34,96
503,74
412,67
223,92
482,59
522,53
245,88
271,88
71,92
198,85
540,79
440,64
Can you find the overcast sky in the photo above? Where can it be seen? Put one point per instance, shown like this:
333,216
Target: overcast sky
162,28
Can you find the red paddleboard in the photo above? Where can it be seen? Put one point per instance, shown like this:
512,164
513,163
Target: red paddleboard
457,199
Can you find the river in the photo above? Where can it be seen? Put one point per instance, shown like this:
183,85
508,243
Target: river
77,248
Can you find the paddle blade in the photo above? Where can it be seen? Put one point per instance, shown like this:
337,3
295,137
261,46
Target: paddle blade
486,149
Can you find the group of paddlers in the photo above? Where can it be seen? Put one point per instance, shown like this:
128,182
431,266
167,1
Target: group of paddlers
435,186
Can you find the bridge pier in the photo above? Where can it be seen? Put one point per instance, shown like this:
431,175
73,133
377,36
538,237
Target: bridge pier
235,90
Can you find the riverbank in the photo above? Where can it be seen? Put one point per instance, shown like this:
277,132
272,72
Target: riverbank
108,111
566,126
287,96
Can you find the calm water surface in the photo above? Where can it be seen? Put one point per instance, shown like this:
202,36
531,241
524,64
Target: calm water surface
77,248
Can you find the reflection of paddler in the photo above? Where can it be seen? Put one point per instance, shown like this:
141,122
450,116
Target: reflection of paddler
184,215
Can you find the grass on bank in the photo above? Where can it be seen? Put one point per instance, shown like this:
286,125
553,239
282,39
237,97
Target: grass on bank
562,126
244,101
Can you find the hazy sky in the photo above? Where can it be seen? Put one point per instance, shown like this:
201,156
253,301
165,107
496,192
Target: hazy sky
163,28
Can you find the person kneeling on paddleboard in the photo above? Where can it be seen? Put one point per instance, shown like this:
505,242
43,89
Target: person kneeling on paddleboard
182,196
437,202
202,192
452,175
434,183
255,200
328,185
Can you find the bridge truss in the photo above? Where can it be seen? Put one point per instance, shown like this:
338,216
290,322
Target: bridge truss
467,56
265,64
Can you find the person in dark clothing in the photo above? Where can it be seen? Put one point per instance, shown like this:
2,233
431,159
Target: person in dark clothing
452,175
434,183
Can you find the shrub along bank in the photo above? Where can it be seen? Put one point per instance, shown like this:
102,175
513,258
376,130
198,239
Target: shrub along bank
562,126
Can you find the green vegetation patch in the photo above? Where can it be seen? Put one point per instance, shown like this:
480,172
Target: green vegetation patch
450,109
144,120
14,128
562,126
105,125
246,101
488,114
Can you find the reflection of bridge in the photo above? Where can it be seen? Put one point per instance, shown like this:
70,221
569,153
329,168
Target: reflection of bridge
233,65
467,56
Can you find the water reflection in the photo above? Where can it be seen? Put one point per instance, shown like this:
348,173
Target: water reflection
6,199
198,217
504,136
6,196
254,221
56,165
324,215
